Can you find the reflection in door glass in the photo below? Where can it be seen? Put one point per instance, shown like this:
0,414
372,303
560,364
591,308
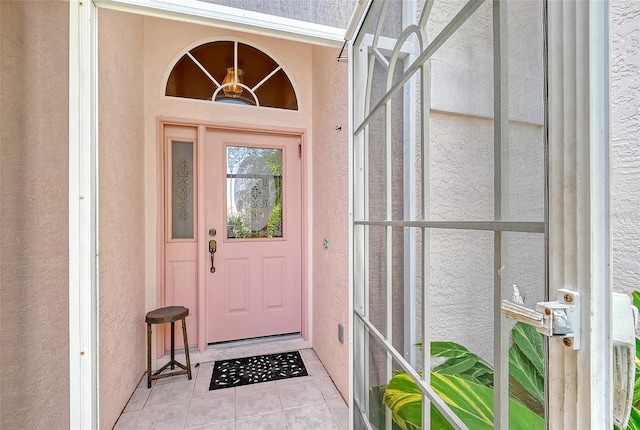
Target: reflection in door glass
254,192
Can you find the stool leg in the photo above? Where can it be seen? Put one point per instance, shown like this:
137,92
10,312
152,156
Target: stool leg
186,347
148,355
173,348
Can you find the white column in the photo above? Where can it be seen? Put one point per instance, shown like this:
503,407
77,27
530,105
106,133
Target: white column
83,242
579,255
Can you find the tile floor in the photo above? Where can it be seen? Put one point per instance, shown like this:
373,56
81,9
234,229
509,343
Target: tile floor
175,403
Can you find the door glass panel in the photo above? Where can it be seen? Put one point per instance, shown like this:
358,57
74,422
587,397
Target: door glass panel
182,190
254,192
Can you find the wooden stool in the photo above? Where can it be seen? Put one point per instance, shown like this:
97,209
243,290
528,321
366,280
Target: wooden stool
169,314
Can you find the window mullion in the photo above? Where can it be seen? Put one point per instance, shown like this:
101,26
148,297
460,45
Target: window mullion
500,140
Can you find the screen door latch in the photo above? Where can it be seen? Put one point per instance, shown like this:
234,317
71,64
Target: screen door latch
559,318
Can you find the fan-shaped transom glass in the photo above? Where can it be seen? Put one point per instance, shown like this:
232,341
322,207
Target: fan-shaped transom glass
231,72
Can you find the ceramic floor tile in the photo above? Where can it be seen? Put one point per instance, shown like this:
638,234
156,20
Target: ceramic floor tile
308,354
272,421
127,421
310,417
312,402
143,381
205,370
329,390
201,388
138,399
211,410
227,425
164,417
298,391
177,378
170,393
340,413
256,399
316,369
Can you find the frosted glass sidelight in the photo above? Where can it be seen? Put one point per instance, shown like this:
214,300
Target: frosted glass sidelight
254,192
182,190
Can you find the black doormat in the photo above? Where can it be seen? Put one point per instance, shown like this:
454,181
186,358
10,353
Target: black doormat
261,368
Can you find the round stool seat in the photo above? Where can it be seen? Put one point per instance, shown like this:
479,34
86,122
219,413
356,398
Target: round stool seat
170,314
166,315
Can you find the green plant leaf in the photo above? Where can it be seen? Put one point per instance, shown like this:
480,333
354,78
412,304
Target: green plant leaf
454,366
531,343
480,381
525,373
467,400
486,380
635,296
481,372
404,398
634,421
473,403
519,393
636,385
404,410
438,421
377,409
448,349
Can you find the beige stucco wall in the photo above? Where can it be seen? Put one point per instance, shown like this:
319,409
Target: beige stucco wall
121,217
316,11
625,140
34,281
330,215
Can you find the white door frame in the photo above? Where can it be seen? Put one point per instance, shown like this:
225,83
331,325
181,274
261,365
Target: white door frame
83,216
203,261
579,229
83,163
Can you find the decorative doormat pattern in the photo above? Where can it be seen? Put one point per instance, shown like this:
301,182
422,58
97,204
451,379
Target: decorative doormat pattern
261,368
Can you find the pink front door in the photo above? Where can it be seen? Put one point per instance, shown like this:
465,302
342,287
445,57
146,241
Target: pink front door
253,201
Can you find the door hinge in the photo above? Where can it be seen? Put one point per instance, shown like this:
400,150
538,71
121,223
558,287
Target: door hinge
299,150
559,318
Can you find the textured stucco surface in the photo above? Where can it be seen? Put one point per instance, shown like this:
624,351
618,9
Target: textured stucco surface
34,281
625,138
330,215
121,155
315,11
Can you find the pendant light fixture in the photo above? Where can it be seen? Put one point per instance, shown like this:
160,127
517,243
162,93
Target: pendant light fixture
230,83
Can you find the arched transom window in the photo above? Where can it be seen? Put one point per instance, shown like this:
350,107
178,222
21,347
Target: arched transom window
231,72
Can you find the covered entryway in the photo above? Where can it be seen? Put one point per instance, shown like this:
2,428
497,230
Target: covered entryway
232,197
137,55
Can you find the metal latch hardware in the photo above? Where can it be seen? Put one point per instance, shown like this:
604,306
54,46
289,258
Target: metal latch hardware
560,318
